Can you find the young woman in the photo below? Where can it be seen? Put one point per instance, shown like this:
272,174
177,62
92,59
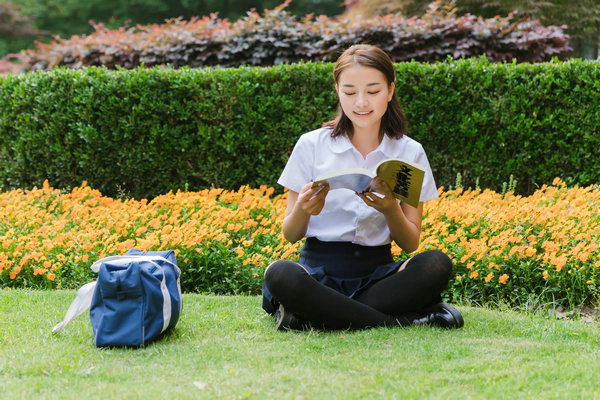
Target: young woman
346,277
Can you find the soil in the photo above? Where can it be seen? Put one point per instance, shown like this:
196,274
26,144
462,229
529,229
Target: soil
588,313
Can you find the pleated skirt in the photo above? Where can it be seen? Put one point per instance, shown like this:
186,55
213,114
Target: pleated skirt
345,267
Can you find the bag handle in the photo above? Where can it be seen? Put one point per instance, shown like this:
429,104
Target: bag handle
127,258
78,306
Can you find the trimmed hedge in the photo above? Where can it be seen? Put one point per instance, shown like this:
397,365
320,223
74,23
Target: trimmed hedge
144,132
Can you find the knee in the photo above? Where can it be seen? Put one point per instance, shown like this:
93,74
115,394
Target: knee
441,262
281,275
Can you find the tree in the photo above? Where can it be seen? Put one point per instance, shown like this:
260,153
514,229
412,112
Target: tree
14,25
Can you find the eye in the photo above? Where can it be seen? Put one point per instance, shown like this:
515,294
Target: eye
349,94
375,92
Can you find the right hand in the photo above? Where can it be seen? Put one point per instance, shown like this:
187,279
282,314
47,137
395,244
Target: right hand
312,199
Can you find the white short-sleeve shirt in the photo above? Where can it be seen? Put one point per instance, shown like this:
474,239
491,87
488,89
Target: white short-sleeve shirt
345,217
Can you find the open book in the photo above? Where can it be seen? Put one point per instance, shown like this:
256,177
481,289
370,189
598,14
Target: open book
404,178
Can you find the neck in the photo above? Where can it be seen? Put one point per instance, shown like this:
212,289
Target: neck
365,141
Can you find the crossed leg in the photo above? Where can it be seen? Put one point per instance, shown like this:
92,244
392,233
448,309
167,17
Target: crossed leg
417,284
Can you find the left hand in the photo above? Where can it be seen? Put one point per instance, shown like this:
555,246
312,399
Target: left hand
385,204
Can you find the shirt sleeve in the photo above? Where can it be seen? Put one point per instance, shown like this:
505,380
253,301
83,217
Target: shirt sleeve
299,169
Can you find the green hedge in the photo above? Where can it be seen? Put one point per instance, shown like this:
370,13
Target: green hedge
144,132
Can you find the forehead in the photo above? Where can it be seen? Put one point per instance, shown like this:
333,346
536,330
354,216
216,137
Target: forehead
358,75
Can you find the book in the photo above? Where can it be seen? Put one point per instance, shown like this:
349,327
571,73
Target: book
404,178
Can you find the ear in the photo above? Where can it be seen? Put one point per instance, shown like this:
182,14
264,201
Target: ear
391,90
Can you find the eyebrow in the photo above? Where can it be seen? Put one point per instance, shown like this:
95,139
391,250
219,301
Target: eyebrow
370,84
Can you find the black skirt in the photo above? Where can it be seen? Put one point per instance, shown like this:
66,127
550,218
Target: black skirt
345,267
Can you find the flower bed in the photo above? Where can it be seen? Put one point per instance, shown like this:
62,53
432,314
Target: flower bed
505,247
540,248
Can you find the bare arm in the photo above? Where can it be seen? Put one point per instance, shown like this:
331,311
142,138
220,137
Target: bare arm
404,221
300,207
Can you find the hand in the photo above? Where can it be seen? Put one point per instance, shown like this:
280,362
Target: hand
312,199
386,204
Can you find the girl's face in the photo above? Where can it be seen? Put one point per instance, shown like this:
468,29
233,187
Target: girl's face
364,95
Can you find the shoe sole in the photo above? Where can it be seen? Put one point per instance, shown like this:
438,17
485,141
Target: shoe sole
460,322
284,320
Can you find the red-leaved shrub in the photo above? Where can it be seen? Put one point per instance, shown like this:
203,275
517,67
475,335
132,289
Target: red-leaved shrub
279,37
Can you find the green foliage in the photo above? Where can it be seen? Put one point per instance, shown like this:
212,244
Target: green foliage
488,121
279,37
147,131
13,24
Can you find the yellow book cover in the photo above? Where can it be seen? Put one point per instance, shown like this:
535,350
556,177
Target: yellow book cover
404,178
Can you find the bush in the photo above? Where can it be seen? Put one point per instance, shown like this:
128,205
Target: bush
518,250
490,121
144,132
278,37
506,248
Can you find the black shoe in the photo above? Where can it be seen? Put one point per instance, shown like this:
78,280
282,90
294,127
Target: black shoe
442,315
286,320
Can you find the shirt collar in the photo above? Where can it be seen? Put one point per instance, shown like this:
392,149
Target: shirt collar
341,144
388,146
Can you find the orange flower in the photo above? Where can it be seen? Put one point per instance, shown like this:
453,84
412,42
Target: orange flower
15,272
559,262
583,256
556,225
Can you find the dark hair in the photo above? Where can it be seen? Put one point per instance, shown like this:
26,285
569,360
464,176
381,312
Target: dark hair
393,122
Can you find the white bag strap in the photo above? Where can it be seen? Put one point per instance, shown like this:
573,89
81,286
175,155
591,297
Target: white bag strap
84,295
78,306
124,259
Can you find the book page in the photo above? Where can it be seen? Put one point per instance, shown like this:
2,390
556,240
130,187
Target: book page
355,179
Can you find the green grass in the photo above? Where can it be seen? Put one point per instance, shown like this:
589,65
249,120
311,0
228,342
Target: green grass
227,347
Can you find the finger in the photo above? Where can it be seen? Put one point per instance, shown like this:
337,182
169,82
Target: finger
314,191
381,187
317,202
315,207
365,198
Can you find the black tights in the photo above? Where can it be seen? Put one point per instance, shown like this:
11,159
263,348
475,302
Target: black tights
391,301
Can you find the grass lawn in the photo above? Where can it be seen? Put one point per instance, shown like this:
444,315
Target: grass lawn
227,347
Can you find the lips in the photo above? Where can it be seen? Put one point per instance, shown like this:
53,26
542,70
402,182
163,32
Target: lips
362,113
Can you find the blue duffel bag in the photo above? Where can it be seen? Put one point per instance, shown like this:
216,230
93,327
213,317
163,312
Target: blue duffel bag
136,298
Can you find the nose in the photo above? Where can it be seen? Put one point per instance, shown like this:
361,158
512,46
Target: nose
361,100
